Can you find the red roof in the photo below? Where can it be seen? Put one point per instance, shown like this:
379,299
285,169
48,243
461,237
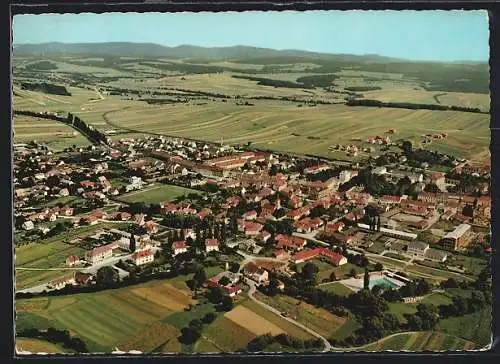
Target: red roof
234,289
102,249
179,245
309,254
72,259
141,254
211,242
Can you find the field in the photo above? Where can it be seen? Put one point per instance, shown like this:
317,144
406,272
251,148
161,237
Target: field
400,308
55,135
128,317
248,319
474,327
337,288
420,341
156,194
38,346
317,319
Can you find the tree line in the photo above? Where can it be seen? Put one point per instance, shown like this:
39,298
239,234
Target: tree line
407,105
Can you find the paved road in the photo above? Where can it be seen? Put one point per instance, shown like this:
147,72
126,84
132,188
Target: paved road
252,290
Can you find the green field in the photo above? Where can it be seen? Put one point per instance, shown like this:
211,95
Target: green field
55,135
337,288
326,269
156,194
400,308
420,341
474,327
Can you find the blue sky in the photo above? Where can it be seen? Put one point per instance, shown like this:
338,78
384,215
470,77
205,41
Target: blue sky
418,35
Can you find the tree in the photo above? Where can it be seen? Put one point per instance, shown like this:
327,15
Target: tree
272,288
215,295
468,210
310,271
224,281
333,277
227,303
107,277
352,272
366,280
431,187
378,267
209,317
132,246
407,146
200,276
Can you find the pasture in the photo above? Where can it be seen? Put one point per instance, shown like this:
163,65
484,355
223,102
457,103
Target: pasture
39,346
337,288
156,194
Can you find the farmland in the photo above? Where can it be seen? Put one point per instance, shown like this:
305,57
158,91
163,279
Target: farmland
421,341
37,346
280,118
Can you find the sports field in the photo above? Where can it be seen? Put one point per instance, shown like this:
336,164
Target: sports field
156,194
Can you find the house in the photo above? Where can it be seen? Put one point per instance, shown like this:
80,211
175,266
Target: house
250,215
90,220
288,242
151,227
60,283
51,217
72,260
252,228
82,278
417,249
280,254
142,257
334,227
28,225
66,210
179,247
140,219
63,192
264,236
87,184
232,291
211,245
256,273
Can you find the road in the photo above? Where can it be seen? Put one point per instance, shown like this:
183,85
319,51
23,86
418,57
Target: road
252,290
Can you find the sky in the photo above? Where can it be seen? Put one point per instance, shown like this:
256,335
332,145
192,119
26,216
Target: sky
417,35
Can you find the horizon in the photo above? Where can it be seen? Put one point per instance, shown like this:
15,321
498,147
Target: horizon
444,36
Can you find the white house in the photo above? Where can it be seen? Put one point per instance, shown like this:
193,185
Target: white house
179,247
28,225
211,245
142,257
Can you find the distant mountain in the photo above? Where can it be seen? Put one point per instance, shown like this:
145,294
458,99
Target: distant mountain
184,51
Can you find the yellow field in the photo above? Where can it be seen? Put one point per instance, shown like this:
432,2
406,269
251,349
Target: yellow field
38,346
165,295
252,322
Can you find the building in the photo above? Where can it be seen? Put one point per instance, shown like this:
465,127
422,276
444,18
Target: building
256,273
211,245
289,242
72,260
100,253
436,255
417,249
335,258
142,257
60,283
28,225
458,238
179,247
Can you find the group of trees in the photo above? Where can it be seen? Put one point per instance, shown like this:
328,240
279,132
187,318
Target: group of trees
56,336
407,105
218,297
45,87
90,131
262,342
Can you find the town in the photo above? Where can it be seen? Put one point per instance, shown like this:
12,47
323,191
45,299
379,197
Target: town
267,217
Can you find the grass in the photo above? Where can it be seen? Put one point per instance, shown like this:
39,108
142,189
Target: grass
156,194
400,308
228,335
347,329
326,269
437,299
337,288
396,256
475,327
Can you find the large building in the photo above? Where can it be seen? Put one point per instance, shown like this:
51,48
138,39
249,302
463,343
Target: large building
458,238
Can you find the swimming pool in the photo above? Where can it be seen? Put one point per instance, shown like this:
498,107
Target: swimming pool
382,282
